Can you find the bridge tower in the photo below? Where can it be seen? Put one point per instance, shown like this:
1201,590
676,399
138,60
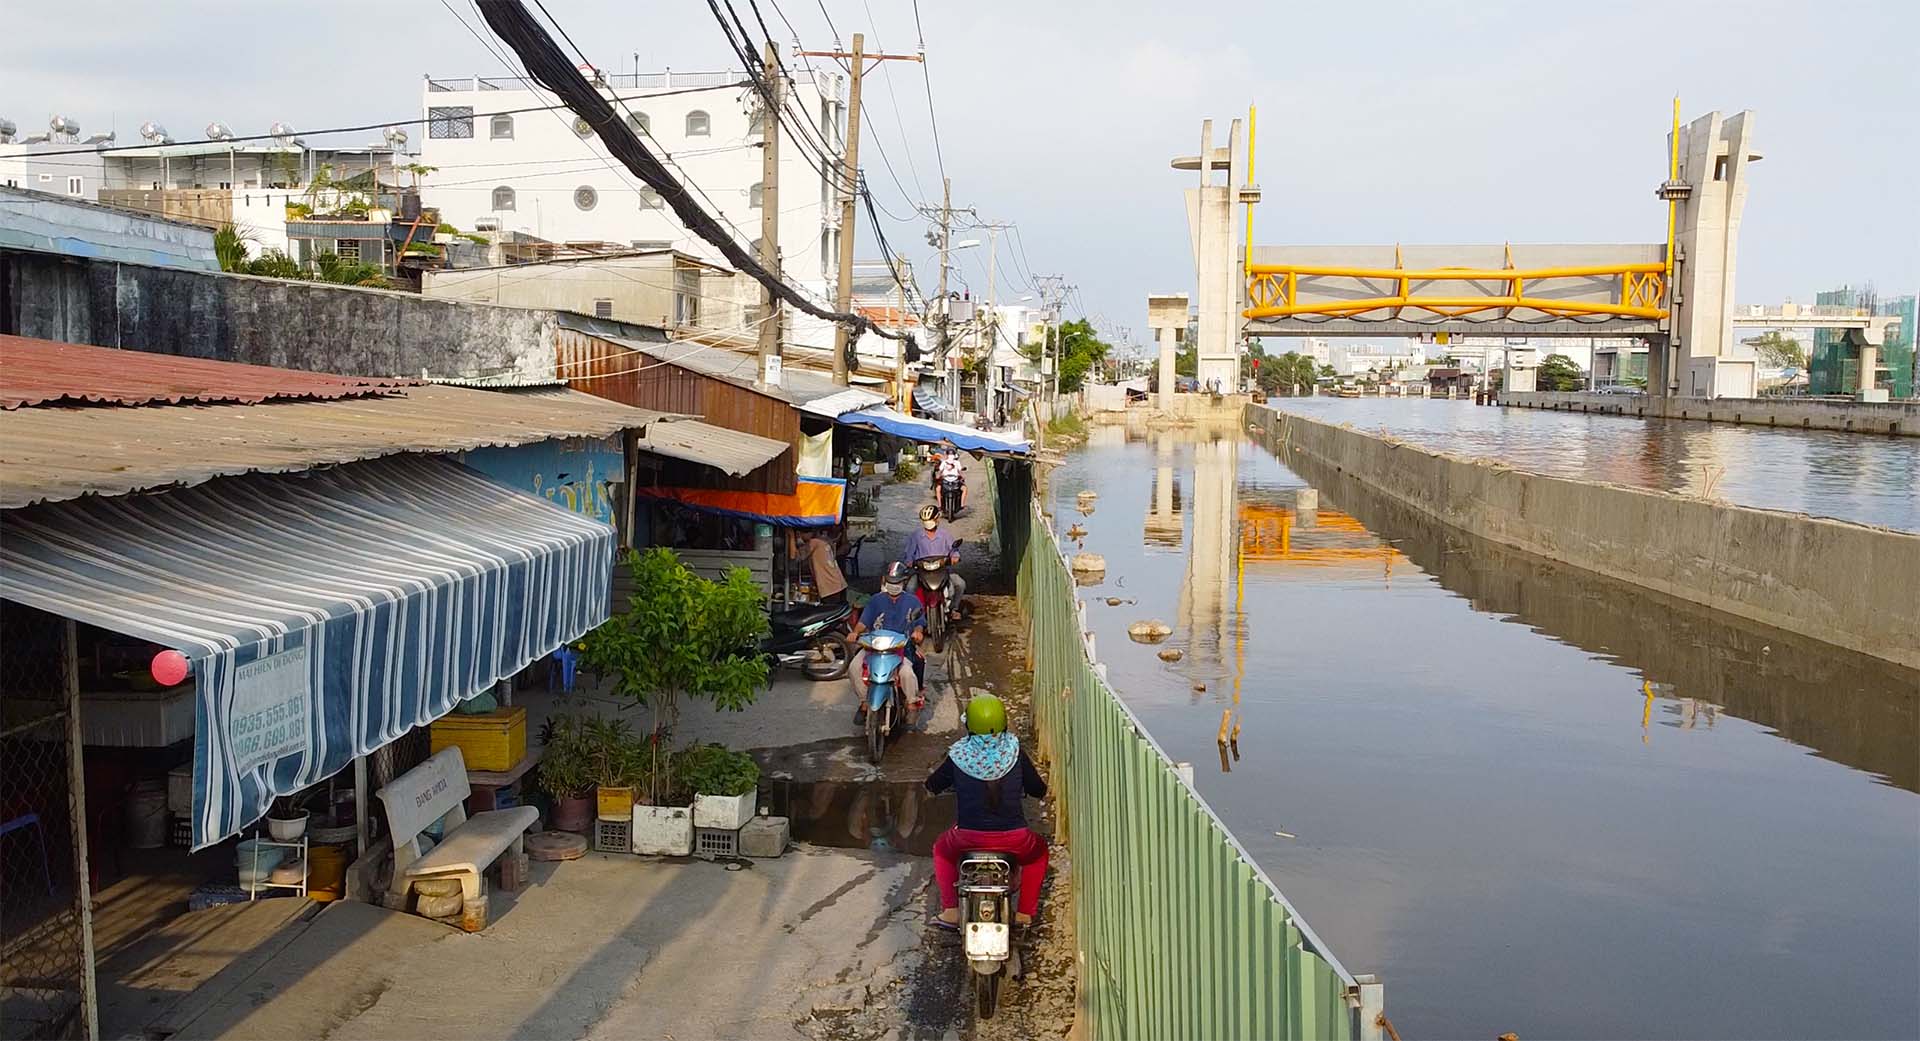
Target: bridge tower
1706,192
1219,283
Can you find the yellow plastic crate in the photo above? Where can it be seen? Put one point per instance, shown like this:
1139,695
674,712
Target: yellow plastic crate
494,740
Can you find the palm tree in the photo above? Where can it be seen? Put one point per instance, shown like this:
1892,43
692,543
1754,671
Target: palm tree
230,248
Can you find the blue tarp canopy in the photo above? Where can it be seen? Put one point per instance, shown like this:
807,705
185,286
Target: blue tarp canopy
934,432
325,614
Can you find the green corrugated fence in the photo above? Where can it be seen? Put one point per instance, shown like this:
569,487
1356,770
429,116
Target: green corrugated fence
1180,935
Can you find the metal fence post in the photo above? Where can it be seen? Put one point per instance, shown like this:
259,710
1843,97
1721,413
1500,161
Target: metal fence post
1373,1007
77,802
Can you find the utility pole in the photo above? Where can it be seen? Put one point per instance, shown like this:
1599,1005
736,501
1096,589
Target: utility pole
850,183
900,388
770,316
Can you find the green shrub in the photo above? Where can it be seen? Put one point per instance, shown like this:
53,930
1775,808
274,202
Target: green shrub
713,769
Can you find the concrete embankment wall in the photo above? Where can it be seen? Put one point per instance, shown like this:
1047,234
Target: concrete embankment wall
1861,417
1846,584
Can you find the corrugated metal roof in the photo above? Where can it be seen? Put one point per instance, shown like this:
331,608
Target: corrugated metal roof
733,452
50,454
43,372
797,386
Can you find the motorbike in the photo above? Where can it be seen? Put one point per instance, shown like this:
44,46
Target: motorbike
989,886
811,638
935,595
886,700
952,494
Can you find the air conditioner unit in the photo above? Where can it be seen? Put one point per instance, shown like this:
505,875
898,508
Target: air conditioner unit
486,224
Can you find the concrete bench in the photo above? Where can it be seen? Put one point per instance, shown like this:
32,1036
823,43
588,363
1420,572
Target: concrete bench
438,789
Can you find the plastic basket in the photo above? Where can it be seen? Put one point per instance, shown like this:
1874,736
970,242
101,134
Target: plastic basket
716,842
613,836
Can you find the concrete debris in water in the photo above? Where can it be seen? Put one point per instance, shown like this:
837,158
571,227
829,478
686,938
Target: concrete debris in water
1116,601
1088,563
1087,494
1152,630
1171,654
1199,687
1076,532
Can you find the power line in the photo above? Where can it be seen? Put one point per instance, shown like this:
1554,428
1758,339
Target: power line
382,125
927,79
547,65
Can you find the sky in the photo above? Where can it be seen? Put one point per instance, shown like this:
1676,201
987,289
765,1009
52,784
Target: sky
1429,123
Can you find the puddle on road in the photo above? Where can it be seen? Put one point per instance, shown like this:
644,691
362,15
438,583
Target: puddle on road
877,814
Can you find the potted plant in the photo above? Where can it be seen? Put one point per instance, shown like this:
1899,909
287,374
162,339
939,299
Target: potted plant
663,814
287,820
725,783
614,765
564,772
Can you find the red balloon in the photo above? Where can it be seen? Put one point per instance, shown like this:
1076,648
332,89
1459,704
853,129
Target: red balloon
170,668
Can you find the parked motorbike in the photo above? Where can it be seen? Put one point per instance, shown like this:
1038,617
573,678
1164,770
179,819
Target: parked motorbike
953,493
886,700
936,595
812,639
989,888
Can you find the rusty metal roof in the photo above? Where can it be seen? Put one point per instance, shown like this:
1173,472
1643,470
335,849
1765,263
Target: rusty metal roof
48,454
733,452
42,372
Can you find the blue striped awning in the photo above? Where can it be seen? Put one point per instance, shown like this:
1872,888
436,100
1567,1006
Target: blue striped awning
325,613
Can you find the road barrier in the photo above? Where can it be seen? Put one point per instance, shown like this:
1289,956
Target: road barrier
1179,933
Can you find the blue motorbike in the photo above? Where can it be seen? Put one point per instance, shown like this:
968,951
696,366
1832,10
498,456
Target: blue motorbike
886,701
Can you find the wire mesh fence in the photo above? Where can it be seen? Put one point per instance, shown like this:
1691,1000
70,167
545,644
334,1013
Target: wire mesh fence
43,958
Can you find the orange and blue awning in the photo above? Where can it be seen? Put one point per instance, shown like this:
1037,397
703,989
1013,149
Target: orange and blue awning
935,432
815,503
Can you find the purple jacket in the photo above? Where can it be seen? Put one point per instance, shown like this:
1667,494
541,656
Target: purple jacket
923,543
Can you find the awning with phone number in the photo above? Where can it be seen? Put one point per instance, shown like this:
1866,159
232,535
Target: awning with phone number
325,614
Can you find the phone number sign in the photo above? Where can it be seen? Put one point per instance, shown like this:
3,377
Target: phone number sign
271,713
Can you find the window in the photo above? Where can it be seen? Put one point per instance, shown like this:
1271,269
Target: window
755,195
450,122
641,124
582,127
347,249
650,199
503,198
11,183
585,198
75,185
500,128
603,308
699,124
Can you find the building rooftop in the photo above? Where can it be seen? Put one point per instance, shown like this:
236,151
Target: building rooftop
140,440
44,372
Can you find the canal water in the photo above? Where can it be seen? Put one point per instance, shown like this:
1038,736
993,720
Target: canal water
1870,479
1530,798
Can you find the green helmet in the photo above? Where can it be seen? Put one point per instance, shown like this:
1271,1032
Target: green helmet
986,715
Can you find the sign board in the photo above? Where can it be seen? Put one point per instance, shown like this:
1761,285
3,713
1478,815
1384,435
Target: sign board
772,370
271,712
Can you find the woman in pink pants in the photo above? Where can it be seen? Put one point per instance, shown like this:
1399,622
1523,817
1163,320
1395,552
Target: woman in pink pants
988,773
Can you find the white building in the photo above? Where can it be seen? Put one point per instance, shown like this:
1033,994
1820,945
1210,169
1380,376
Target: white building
547,174
244,183
1352,359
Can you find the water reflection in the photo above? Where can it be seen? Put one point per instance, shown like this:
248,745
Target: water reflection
1519,791
1871,479
1852,708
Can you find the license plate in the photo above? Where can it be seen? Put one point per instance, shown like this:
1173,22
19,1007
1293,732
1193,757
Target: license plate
987,940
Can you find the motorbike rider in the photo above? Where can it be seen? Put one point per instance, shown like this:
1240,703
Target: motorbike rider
950,468
934,541
894,609
988,772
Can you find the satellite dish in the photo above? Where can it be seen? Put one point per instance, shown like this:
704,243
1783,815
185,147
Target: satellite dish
218,131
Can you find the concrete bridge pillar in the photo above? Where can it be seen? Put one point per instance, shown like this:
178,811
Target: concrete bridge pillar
1167,317
1700,358
1219,284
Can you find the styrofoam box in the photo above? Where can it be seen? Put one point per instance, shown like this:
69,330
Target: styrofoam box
728,812
663,830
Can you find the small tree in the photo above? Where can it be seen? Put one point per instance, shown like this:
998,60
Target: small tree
682,635
230,248
1558,372
1779,350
